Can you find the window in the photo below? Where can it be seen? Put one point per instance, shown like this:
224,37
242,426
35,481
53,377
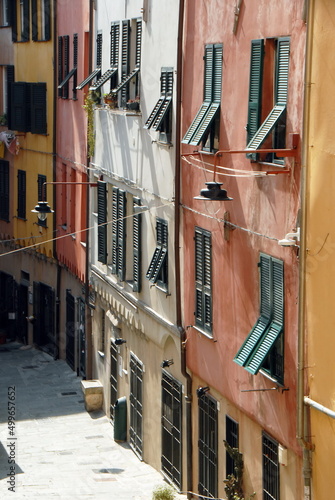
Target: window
97,71
262,81
4,13
171,428
208,446
136,405
203,280
64,73
158,268
21,194
129,46
6,78
4,190
25,20
232,440
111,73
160,117
28,107
119,203
102,222
102,331
270,468
137,247
113,376
205,126
263,348
41,194
41,20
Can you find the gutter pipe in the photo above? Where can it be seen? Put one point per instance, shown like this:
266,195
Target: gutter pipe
177,208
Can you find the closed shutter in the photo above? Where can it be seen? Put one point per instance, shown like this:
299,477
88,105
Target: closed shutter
115,44
102,219
20,106
47,20
13,20
66,42
21,194
137,246
255,87
208,76
41,194
34,20
115,194
217,73
122,201
125,60
99,50
75,64
26,21
10,80
203,280
38,108
4,190
60,65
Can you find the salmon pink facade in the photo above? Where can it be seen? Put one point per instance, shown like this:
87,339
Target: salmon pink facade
243,78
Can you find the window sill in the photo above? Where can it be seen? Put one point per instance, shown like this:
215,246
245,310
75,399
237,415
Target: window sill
205,334
268,376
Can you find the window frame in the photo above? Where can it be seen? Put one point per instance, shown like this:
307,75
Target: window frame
203,281
208,446
232,438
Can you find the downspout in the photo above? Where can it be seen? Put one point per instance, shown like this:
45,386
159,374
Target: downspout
54,148
302,422
88,322
188,395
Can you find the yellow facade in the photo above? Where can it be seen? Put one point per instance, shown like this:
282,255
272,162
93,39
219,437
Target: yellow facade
318,259
34,62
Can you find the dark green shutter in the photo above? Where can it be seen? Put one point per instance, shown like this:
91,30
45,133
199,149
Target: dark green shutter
282,68
47,20
20,106
125,49
203,280
251,341
75,64
102,219
4,190
217,72
38,108
34,20
258,356
115,193
278,291
138,42
265,285
99,50
137,247
26,21
60,64
115,42
10,80
13,20
122,202
255,89
66,43
208,74
21,194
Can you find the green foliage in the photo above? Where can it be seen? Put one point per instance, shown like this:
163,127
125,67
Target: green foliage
89,108
3,119
234,482
163,492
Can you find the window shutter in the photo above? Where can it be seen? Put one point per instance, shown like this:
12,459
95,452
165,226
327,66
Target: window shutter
34,21
125,60
10,80
13,20
217,73
66,42
207,282
137,246
75,64
38,108
115,43
26,21
138,42
251,341
21,194
208,77
265,285
99,50
20,106
102,219
203,280
41,187
282,67
60,64
114,230
258,356
47,20
255,88
4,190
122,201
278,291
205,123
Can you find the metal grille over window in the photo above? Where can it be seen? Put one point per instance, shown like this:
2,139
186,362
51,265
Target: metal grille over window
136,405
212,96
270,469
208,447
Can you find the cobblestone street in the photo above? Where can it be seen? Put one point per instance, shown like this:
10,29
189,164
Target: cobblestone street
50,446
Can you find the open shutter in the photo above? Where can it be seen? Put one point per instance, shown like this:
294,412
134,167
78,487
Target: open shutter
13,20
255,87
60,64
282,66
20,106
278,291
125,60
115,45
21,194
205,123
34,20
66,42
47,20
115,230
102,219
99,50
4,190
264,346
251,341
122,201
26,21
265,285
10,80
137,246
38,108
266,127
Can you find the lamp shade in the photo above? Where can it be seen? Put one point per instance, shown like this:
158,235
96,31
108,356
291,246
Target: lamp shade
42,209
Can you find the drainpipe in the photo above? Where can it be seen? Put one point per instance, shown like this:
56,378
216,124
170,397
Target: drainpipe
302,421
188,396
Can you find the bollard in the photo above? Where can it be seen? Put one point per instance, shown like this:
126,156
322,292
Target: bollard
120,419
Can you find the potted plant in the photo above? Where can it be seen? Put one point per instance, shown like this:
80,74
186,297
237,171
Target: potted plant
95,96
134,104
163,492
111,100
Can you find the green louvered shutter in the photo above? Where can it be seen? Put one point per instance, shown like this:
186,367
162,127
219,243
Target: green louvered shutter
10,80
125,49
13,20
47,20
102,219
137,247
66,43
21,194
75,65
122,202
26,21
38,108
203,280
282,69
99,50
115,253
265,285
255,90
278,291
60,64
34,21
115,43
207,282
264,346
20,106
248,346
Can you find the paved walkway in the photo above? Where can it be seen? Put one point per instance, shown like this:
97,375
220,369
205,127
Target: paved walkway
55,448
